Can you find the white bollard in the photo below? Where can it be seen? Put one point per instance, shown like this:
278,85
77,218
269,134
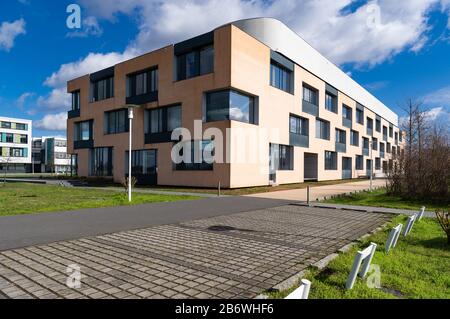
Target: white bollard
391,241
421,212
409,225
362,260
301,292
400,227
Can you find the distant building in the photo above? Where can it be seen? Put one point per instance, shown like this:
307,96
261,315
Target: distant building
15,144
50,155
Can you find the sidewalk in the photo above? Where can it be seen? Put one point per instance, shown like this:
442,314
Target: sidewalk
320,192
369,209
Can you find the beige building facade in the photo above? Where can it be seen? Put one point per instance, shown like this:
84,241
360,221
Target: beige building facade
266,107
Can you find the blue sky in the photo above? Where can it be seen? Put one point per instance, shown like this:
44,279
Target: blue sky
396,49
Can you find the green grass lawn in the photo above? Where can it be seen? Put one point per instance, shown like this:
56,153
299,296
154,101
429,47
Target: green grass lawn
252,190
380,198
419,267
22,198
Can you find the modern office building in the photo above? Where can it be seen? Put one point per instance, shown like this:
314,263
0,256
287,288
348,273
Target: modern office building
50,156
15,144
257,88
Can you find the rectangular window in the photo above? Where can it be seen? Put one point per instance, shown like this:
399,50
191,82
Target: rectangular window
359,163
330,161
83,131
281,77
385,133
382,147
377,163
116,122
197,156
341,136
142,83
101,161
23,139
195,63
75,100
6,125
375,144
310,95
331,102
366,143
359,116
388,148
396,138
378,125
21,127
230,105
347,112
18,152
354,138
400,136
282,157
143,162
391,131
369,126
9,138
165,119
298,125
102,89
322,129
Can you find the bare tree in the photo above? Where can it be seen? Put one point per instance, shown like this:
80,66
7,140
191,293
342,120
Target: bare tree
423,169
5,160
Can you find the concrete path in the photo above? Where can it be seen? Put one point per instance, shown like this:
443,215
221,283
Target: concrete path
371,209
320,192
24,230
226,257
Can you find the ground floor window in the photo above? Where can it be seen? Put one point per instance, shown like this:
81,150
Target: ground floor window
377,163
330,160
101,161
143,162
282,157
196,156
359,162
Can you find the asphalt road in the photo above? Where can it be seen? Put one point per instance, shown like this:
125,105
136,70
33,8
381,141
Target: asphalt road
26,230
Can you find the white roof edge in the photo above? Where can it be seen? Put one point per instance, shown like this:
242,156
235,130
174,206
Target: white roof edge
279,37
14,119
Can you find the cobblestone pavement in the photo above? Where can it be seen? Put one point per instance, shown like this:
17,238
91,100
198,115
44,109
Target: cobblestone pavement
235,256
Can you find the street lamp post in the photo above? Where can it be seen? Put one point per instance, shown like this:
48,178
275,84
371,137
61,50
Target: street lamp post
371,164
131,108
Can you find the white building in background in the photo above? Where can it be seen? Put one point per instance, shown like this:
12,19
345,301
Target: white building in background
50,155
15,144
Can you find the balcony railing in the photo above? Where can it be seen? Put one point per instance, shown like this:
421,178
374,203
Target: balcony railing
365,151
346,122
341,147
83,144
73,114
299,140
310,108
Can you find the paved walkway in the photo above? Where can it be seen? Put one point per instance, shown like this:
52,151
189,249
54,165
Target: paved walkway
25,230
371,209
233,256
320,192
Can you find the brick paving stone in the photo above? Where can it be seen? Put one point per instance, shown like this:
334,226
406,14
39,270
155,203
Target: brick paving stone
233,256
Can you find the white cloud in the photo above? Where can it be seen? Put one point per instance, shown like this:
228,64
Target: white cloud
52,122
8,33
58,99
90,27
23,98
378,85
342,36
439,97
